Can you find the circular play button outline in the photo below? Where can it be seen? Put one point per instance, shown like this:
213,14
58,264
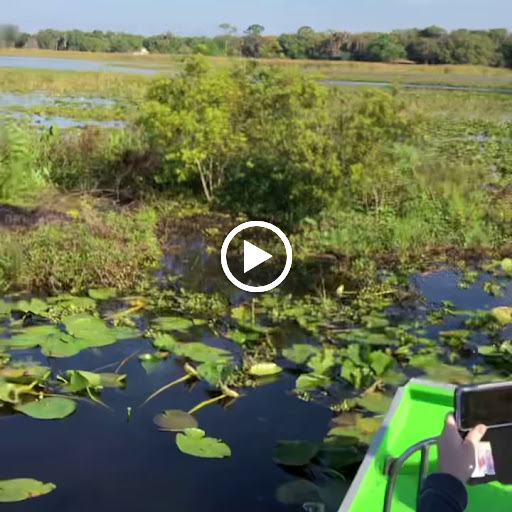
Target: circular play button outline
246,287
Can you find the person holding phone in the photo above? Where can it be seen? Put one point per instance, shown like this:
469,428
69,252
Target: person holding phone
445,491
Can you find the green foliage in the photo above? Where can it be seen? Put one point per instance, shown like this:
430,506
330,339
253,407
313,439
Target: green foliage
22,489
20,174
193,442
175,421
100,250
53,408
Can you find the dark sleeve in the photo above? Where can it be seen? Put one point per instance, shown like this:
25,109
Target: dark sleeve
442,493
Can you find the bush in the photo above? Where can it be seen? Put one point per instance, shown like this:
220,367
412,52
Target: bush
112,249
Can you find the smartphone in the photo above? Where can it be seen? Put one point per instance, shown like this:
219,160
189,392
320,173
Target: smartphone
487,404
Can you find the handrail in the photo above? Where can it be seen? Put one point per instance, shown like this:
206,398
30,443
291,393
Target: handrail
393,467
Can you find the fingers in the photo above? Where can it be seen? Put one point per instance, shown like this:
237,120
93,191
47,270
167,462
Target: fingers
450,428
476,435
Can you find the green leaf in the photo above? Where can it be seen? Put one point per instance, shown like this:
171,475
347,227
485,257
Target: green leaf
503,314
5,308
506,265
89,328
193,442
77,303
300,353
362,430
175,421
214,373
375,322
375,402
323,361
31,337
165,342
381,362
262,369
52,408
103,293
294,453
11,392
125,333
25,374
172,323
62,345
200,352
36,306
80,380
310,381
22,489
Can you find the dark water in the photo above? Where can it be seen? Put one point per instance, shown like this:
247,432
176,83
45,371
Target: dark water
101,461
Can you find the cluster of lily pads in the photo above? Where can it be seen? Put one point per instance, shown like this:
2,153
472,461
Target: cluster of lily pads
349,353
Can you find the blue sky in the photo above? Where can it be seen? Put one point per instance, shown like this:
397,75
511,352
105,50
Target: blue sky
194,17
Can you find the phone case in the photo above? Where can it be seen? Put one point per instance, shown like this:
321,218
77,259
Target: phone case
500,439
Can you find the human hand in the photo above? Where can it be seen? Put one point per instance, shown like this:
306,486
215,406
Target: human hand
457,455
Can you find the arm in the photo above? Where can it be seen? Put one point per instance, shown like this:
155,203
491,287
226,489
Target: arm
442,492
445,491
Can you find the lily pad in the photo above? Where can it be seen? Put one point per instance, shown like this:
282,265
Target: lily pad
90,328
200,352
31,337
102,293
172,323
80,380
310,381
363,429
36,306
62,345
21,489
77,303
175,421
503,314
300,353
165,342
381,362
294,453
506,265
322,361
11,392
263,369
193,442
52,408
25,374
375,402
215,373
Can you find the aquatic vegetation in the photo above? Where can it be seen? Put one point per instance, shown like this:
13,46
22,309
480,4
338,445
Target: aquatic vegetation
51,408
23,488
193,441
175,421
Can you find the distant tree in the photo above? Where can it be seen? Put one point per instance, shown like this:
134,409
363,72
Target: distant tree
48,39
255,30
8,35
433,31
305,32
229,30
384,48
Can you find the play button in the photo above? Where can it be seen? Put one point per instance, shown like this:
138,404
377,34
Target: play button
253,256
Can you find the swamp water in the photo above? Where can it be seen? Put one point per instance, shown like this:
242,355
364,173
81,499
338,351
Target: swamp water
115,458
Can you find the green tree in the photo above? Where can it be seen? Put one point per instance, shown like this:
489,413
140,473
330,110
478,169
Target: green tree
255,30
189,120
384,48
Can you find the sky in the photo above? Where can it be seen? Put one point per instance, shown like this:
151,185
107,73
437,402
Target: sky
202,17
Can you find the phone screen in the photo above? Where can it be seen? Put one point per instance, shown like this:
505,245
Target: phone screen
490,406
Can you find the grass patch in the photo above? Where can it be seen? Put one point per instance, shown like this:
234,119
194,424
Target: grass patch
116,249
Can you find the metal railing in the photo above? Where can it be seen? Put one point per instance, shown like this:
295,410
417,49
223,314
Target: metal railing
393,467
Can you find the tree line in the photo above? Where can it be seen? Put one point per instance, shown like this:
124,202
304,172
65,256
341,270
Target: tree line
431,45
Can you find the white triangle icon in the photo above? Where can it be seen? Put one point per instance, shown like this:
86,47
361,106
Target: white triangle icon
253,256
